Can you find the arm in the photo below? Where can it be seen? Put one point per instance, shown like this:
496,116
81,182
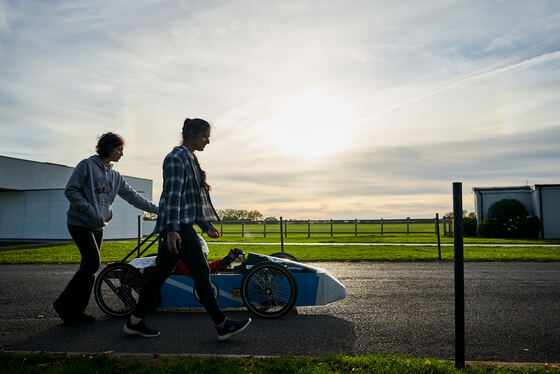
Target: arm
173,180
75,187
134,198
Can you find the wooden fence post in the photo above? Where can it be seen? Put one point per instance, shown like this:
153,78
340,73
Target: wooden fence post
438,239
407,225
281,236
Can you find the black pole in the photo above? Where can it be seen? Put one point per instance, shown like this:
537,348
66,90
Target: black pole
139,234
438,238
281,236
459,276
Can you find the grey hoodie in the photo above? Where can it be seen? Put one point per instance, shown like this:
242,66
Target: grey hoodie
91,190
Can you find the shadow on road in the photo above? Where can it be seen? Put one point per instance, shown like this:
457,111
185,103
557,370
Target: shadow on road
194,333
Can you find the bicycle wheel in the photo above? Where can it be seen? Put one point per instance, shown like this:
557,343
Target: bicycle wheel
117,289
269,290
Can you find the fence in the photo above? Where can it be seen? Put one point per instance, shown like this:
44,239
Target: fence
348,227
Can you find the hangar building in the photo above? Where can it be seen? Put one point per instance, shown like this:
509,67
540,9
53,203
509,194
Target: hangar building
33,204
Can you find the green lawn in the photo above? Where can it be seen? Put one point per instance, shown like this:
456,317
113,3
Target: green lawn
116,250
373,363
373,238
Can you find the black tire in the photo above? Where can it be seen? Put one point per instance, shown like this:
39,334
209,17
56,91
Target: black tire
269,290
117,289
284,255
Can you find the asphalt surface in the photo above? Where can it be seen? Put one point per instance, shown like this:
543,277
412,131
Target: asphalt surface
512,314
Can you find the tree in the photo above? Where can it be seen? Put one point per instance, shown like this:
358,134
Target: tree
239,215
465,214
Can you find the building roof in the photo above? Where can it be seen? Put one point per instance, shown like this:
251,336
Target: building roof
19,174
512,188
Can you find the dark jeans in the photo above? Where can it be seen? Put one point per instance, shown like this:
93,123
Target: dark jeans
192,256
75,297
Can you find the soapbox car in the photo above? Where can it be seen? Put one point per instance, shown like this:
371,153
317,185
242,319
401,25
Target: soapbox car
268,286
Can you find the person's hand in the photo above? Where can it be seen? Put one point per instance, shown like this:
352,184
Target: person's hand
173,242
213,233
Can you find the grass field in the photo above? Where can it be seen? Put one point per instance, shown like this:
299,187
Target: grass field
302,227
116,250
383,364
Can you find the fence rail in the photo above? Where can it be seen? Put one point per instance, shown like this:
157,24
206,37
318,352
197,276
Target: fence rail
349,227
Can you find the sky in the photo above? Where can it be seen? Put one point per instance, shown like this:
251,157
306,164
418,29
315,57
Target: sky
320,109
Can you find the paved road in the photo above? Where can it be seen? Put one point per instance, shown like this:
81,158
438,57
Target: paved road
512,314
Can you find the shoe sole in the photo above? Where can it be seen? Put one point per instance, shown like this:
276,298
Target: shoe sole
229,335
134,332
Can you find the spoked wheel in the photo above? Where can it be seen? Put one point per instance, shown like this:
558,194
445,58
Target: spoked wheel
117,289
269,290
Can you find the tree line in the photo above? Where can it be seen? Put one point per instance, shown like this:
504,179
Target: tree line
243,215
229,215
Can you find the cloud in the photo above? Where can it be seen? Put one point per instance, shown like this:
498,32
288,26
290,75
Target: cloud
411,95
382,180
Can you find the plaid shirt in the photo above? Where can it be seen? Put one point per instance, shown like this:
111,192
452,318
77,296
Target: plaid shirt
183,200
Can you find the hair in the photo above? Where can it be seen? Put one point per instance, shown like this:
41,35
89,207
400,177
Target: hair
193,127
107,142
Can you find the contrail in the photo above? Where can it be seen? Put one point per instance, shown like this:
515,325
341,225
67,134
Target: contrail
472,78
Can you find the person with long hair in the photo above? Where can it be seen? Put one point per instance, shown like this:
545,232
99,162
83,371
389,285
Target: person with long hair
185,201
91,190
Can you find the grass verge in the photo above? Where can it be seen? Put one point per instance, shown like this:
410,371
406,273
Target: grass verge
117,250
374,238
108,363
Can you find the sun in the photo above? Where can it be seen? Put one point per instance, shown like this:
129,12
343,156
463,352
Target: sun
310,125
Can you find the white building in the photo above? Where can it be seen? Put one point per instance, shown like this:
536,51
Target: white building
33,204
541,200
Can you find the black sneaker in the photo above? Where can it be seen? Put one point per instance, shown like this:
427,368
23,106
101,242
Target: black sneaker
140,329
232,327
85,318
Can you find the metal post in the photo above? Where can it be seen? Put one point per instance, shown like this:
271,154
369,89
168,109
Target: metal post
308,228
444,227
264,228
281,236
286,229
381,226
459,276
438,238
139,233
355,227
221,228
331,229
407,225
